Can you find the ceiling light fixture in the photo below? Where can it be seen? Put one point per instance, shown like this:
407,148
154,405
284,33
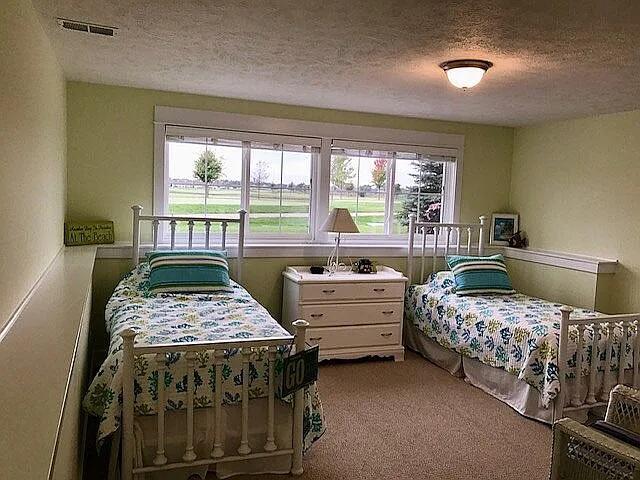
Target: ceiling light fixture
465,73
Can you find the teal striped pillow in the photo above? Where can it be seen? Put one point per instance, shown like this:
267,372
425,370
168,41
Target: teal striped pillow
188,271
480,274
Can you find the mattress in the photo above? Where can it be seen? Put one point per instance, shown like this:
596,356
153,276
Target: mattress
184,318
517,333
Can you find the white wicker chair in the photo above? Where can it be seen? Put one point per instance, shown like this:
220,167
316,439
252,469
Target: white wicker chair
582,453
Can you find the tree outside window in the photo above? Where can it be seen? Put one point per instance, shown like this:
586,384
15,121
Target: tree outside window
259,174
342,172
425,196
207,169
379,174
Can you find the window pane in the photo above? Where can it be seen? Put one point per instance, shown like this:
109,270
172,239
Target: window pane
204,178
359,183
418,189
280,188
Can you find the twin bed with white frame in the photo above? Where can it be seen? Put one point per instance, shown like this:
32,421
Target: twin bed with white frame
522,350
245,428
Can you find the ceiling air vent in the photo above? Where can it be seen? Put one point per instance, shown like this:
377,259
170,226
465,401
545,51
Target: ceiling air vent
86,27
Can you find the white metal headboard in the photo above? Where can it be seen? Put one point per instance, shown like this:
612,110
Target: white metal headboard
190,221
442,230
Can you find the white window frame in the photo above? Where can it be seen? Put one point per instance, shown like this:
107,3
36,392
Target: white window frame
327,133
447,215
245,138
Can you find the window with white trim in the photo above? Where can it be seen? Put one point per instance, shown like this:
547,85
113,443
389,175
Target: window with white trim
219,172
280,188
204,176
288,183
382,186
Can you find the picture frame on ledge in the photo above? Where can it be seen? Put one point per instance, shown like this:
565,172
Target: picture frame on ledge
503,227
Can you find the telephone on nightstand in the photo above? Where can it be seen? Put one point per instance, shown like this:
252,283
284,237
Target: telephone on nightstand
364,265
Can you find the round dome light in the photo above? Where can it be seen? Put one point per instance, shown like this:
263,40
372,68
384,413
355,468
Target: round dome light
465,73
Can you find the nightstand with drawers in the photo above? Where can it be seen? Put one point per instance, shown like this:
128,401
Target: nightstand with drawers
351,315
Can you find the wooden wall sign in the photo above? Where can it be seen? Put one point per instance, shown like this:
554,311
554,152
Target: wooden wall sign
88,233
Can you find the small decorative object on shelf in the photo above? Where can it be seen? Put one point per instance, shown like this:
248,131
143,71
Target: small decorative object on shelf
518,240
503,227
316,270
88,233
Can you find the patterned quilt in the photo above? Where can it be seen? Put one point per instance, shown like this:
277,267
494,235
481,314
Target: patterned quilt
182,318
517,333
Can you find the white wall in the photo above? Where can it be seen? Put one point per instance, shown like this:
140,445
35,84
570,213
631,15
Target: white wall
32,153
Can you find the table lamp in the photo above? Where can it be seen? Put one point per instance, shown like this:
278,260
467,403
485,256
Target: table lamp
339,221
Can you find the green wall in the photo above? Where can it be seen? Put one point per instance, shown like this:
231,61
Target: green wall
564,285
32,153
110,148
576,185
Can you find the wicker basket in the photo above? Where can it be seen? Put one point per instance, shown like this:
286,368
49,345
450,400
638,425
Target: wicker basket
582,453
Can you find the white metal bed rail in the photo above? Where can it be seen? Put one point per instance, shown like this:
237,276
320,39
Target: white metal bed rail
595,391
217,454
191,221
442,230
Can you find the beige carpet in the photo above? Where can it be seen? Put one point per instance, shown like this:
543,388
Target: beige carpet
412,420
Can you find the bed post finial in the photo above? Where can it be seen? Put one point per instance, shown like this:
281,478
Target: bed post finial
482,219
566,310
243,215
298,403
135,255
412,232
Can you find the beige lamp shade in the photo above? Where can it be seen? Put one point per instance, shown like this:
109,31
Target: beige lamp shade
339,221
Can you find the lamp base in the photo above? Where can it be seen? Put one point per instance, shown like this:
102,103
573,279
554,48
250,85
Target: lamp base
333,262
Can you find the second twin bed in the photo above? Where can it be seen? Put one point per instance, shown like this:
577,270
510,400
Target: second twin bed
542,358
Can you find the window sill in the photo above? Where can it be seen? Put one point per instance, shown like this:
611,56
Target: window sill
582,263
281,250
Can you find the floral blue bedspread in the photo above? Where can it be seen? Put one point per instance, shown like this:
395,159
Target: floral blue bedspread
184,318
517,333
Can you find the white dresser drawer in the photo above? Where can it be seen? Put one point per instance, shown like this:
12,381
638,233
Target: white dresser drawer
357,336
350,291
333,315
351,315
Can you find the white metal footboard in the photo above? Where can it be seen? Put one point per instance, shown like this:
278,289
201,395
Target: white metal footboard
456,237
618,333
245,450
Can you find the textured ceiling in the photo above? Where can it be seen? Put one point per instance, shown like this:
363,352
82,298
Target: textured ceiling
553,59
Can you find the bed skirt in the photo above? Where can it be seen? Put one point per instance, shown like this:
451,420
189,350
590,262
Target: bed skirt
498,383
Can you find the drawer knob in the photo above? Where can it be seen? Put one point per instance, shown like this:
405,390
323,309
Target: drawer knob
329,291
386,334
387,312
378,289
317,315
315,339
